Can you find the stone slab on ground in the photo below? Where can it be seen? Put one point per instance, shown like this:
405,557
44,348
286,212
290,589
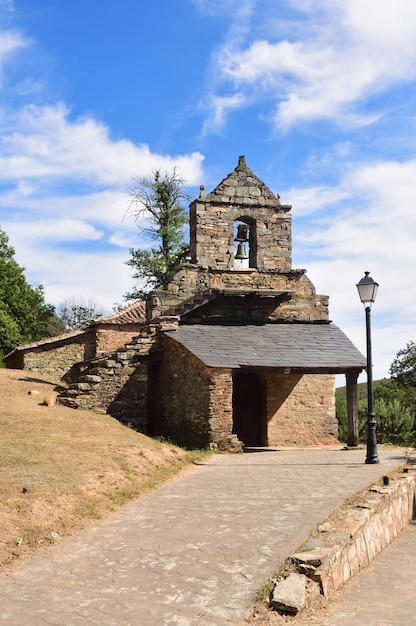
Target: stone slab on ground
294,593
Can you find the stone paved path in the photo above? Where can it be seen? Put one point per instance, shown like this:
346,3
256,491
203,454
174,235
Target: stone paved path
194,552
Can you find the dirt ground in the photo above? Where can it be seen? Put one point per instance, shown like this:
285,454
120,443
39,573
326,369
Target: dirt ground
63,468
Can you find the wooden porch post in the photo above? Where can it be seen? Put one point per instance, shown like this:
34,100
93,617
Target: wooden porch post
352,408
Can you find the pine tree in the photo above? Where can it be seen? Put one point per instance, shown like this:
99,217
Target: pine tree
156,204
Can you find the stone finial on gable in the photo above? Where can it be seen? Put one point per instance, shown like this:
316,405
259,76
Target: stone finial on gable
245,188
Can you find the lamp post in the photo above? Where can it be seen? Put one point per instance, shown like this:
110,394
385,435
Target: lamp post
367,289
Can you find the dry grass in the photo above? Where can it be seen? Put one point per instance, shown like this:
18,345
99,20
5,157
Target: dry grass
63,468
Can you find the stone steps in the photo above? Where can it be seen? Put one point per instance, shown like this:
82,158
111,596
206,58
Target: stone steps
100,385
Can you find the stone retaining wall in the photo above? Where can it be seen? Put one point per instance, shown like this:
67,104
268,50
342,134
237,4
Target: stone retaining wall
347,541
369,526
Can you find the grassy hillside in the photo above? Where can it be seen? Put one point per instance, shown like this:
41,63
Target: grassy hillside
61,468
340,392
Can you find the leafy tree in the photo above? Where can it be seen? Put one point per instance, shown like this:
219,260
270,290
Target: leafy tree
156,203
24,316
76,313
403,368
341,415
394,403
395,422
55,326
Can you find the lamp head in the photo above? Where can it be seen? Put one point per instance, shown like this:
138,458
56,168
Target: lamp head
367,290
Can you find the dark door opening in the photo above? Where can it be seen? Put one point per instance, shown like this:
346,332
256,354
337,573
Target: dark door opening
248,422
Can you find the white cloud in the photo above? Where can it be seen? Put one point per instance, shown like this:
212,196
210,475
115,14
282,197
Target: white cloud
44,143
392,318
62,183
10,43
387,27
388,181
11,40
345,53
124,239
102,277
106,208
224,7
221,107
52,231
62,180
314,199
374,230
376,218
98,273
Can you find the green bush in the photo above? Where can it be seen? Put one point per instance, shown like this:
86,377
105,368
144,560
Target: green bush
394,412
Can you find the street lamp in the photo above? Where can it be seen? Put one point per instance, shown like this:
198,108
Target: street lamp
367,289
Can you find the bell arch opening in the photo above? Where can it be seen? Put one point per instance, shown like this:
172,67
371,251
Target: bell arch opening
245,243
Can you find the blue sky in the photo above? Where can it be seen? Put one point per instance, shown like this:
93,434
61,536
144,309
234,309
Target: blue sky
319,95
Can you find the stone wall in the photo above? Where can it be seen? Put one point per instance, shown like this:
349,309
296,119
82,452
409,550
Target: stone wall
111,338
62,357
116,384
159,387
181,404
221,411
214,245
58,360
301,409
194,404
301,304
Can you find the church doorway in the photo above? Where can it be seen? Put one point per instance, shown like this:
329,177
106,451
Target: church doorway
249,423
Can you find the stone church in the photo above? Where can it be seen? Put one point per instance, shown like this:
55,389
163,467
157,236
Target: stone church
238,351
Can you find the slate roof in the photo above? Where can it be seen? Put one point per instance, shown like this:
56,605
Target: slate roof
310,347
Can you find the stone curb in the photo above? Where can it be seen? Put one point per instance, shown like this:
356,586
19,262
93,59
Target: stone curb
349,539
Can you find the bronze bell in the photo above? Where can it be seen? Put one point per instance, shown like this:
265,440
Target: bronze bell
241,251
242,232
